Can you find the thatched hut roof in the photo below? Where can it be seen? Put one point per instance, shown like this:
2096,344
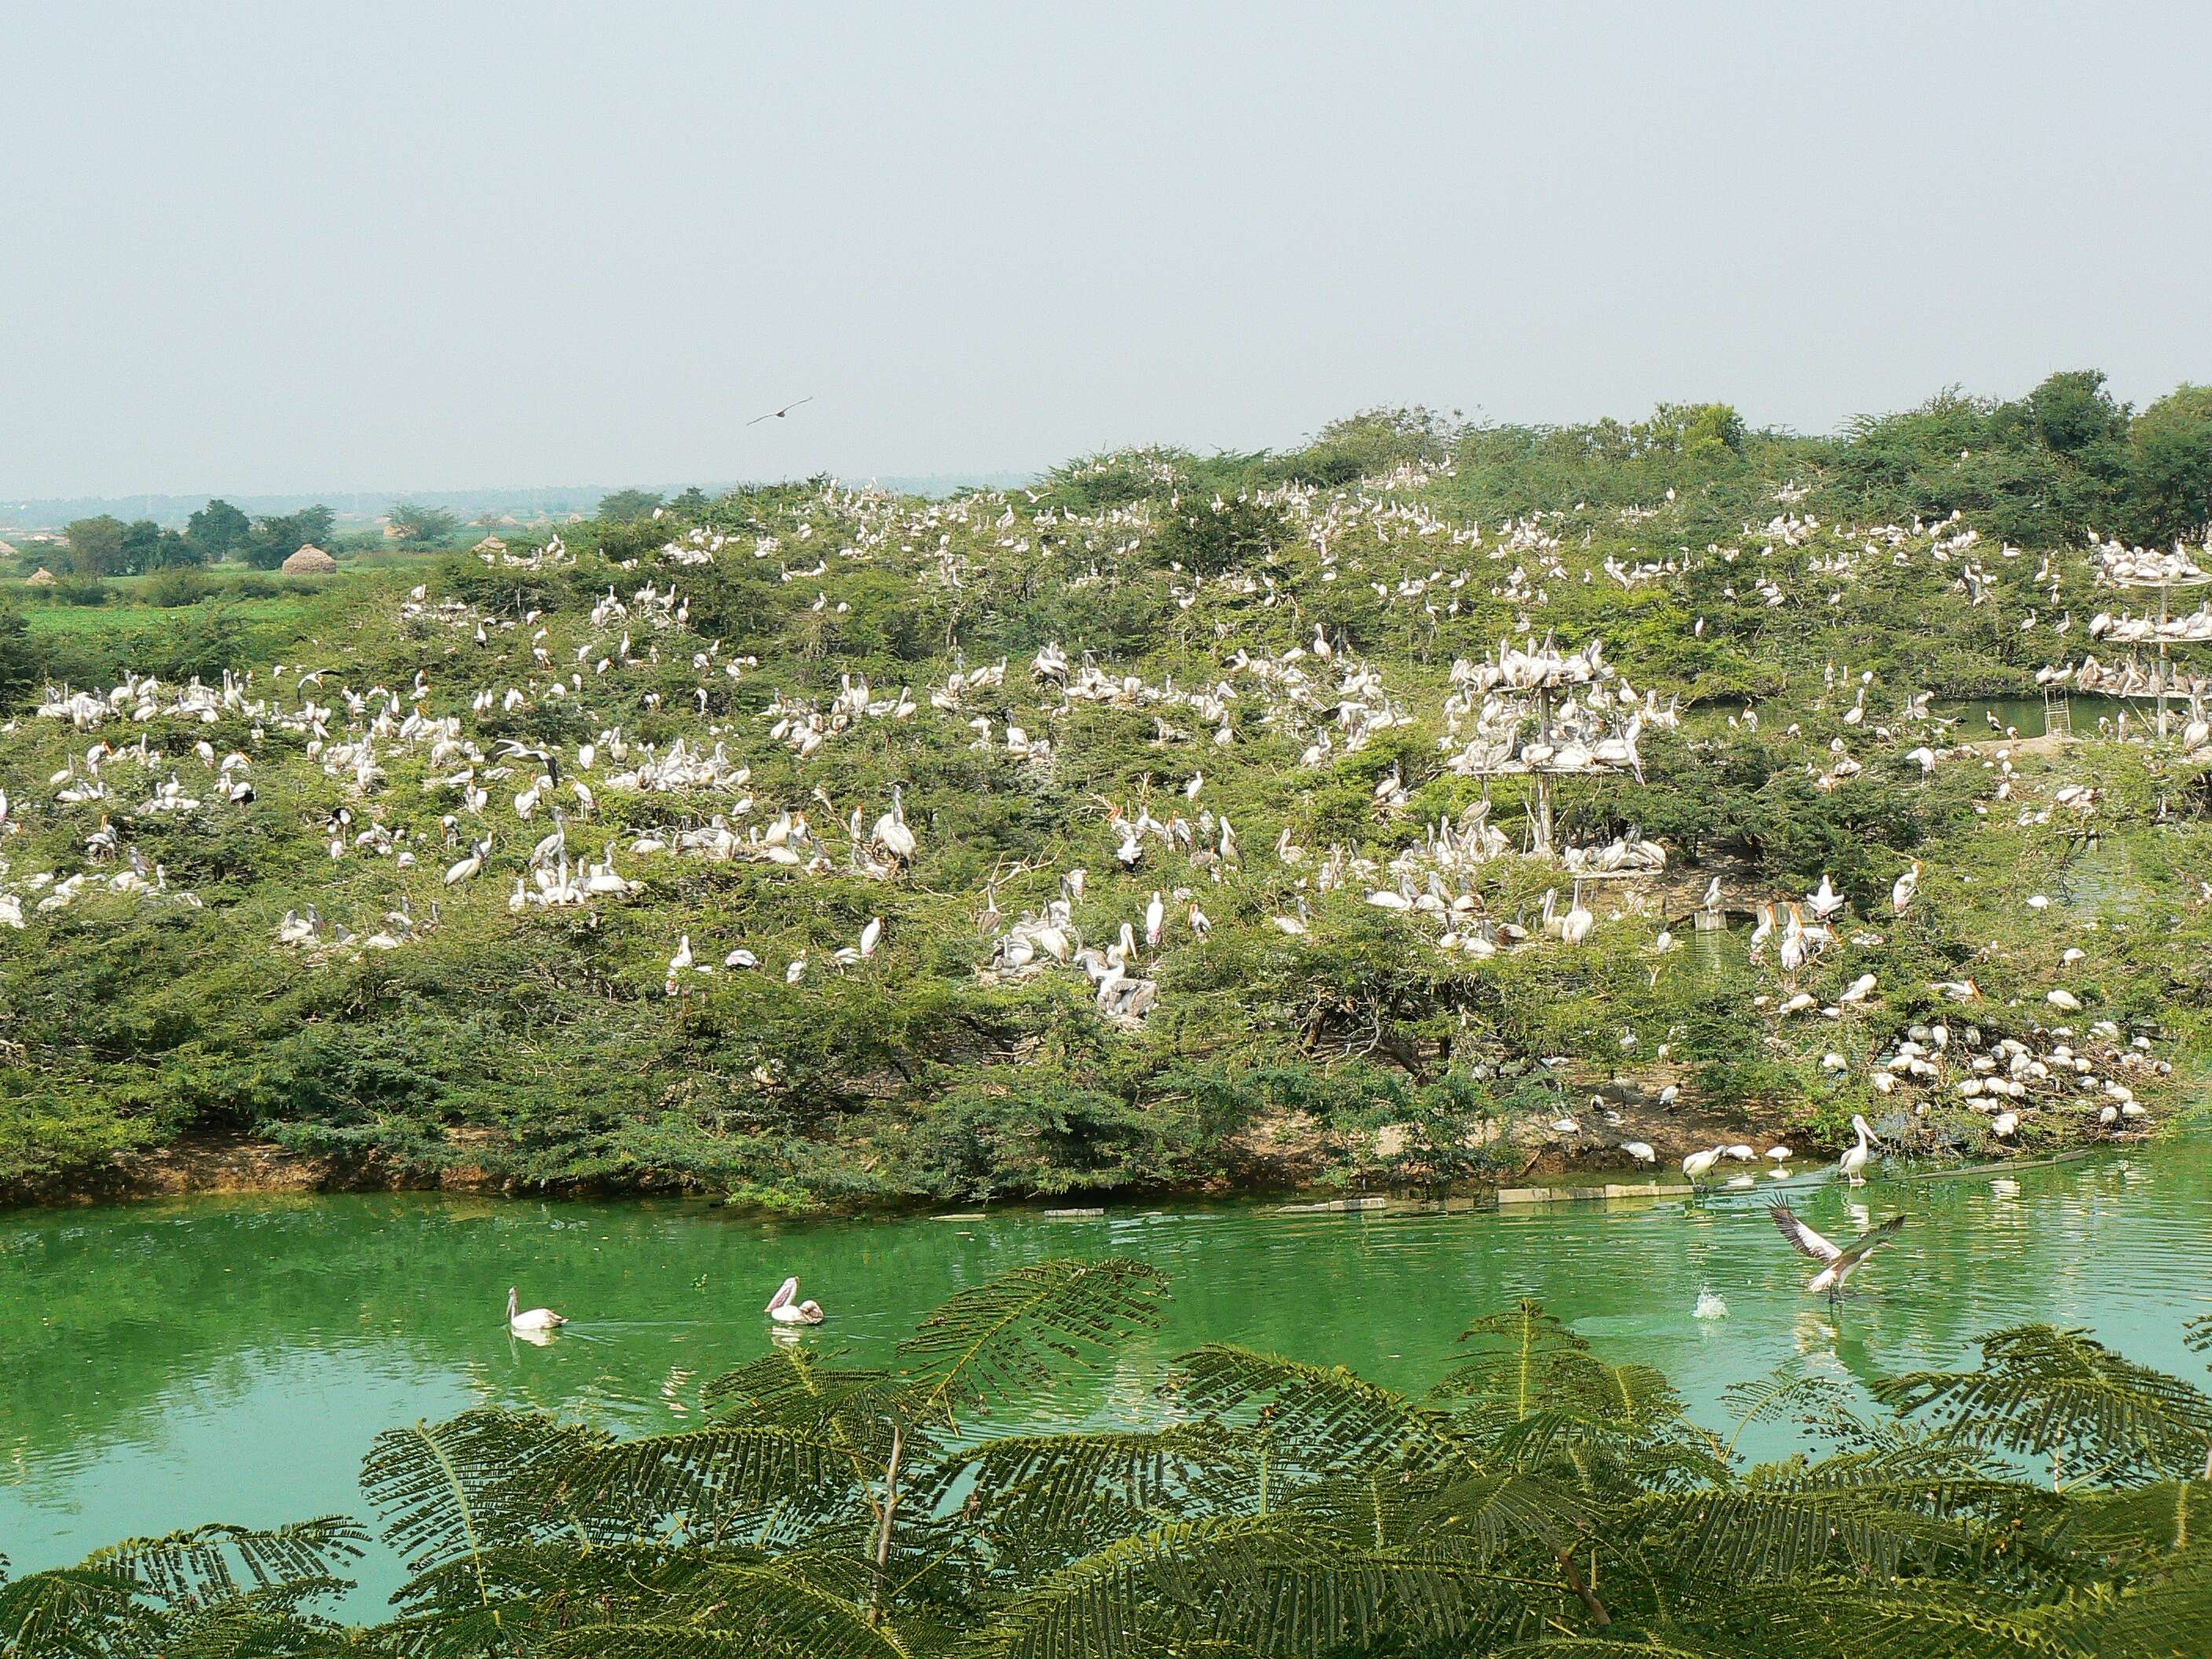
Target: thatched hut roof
41,577
310,560
490,544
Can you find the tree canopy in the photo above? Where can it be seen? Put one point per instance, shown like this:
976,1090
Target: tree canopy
423,525
628,506
219,530
276,538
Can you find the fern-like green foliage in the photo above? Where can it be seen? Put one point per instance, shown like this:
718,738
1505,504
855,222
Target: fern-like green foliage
453,1490
214,1563
1027,1329
213,1589
1539,1392
2063,1395
1318,1420
1055,1484
1542,1500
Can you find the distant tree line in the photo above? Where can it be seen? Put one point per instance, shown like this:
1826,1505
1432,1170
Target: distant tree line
2065,458
106,545
2068,449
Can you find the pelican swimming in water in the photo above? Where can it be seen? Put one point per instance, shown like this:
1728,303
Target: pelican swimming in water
1838,1262
534,1319
785,1310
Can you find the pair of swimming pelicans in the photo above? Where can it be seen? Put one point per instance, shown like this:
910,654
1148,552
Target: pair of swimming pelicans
1838,1263
784,1307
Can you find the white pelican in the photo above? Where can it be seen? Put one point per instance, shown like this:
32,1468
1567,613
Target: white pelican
1900,894
1839,1263
1853,1163
891,832
1826,901
467,867
1576,927
533,1319
784,1310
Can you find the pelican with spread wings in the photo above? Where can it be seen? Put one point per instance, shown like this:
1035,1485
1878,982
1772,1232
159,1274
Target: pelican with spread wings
779,414
1838,1262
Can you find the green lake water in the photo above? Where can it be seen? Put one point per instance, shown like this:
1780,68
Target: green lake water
231,1359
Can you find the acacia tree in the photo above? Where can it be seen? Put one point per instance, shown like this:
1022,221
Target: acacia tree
422,524
95,546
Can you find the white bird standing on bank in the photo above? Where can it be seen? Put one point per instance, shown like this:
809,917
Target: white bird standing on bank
1699,1162
786,1309
1838,1262
1853,1163
535,1319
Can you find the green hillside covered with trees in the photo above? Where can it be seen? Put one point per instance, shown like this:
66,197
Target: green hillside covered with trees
273,854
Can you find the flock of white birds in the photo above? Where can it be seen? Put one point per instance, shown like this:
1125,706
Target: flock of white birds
531,818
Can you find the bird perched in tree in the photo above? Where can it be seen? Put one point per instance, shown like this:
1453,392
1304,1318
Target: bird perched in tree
1900,894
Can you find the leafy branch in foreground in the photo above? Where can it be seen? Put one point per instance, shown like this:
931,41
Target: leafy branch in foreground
2064,1397
1540,1500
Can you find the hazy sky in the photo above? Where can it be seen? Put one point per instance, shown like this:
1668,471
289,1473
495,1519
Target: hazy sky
306,246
